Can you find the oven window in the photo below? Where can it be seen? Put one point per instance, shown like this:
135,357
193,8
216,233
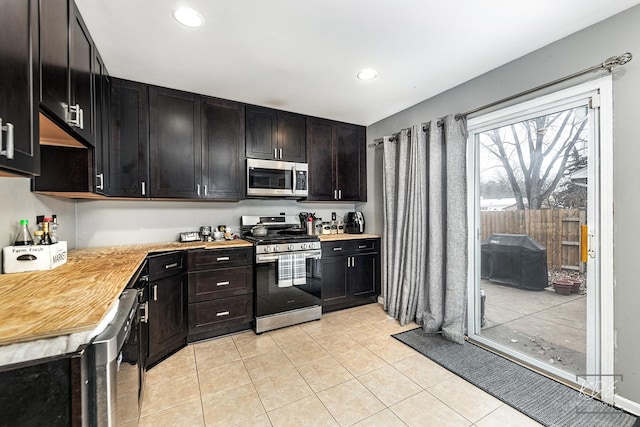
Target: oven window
271,298
276,179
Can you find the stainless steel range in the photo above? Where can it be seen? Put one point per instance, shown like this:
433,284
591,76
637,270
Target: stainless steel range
287,271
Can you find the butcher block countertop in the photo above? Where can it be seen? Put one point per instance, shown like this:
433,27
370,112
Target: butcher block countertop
77,295
334,237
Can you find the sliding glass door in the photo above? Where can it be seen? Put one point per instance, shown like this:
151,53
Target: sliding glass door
536,208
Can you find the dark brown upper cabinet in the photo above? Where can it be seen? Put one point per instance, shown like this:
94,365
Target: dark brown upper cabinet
175,144
223,136
337,161
66,67
125,165
19,86
102,85
275,135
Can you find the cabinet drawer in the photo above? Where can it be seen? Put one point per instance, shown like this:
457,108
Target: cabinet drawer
220,283
165,265
205,259
220,313
349,247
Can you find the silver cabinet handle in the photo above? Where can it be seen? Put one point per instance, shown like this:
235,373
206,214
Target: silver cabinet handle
144,188
275,153
337,249
335,194
222,283
198,189
144,318
222,313
100,177
362,246
222,258
339,194
353,261
205,189
172,265
155,292
8,152
76,116
280,156
349,262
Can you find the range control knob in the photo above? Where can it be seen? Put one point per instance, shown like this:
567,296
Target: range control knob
277,248
267,249
292,247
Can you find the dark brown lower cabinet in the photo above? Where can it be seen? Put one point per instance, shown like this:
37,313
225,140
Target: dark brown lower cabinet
350,273
220,291
53,391
167,317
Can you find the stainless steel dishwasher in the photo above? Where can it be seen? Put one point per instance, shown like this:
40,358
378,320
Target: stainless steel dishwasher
118,365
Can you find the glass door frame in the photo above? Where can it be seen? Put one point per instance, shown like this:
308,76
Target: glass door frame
600,317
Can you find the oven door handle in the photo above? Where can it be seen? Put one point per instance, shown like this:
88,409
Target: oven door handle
262,259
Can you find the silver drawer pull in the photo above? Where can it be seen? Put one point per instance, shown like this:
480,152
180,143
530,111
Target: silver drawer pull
362,246
337,249
222,258
222,283
168,266
222,313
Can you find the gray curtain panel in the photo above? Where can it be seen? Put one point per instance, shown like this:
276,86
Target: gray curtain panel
425,225
405,208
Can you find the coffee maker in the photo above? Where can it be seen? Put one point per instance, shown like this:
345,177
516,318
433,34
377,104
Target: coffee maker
354,222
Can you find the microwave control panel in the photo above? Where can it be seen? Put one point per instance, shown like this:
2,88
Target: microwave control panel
301,180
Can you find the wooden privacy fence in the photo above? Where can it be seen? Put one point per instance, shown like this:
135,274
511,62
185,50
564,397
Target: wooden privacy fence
558,230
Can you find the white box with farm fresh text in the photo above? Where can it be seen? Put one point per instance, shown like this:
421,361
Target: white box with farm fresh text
18,259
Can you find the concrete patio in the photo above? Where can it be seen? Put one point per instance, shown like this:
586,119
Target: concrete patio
541,324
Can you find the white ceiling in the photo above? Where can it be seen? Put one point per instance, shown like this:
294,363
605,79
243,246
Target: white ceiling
303,55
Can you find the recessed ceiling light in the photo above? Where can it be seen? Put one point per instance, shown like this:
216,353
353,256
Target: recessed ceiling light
189,17
367,74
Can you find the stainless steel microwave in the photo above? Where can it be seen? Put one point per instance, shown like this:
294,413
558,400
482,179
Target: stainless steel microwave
273,178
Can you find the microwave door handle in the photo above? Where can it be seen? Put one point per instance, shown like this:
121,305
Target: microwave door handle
293,169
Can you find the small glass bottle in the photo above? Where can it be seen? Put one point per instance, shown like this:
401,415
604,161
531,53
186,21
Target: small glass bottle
53,229
46,238
24,236
37,237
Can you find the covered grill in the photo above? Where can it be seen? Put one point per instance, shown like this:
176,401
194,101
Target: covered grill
516,260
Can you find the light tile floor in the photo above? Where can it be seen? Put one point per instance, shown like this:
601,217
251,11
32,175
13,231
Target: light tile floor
342,370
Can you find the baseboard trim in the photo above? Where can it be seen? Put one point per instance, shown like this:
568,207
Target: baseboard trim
626,404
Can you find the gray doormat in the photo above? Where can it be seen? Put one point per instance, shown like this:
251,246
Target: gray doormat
543,399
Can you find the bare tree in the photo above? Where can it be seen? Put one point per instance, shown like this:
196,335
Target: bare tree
534,153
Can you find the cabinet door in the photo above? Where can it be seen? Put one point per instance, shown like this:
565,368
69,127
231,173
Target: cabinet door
262,128
80,74
364,276
291,137
223,149
350,163
101,108
175,146
335,289
54,56
167,316
128,143
19,84
320,159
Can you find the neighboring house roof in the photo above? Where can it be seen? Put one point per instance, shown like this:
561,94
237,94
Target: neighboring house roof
579,177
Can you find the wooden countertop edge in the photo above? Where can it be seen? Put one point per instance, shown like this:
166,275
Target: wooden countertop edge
77,295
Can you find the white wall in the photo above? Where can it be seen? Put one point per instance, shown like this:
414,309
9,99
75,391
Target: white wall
591,46
17,202
114,222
